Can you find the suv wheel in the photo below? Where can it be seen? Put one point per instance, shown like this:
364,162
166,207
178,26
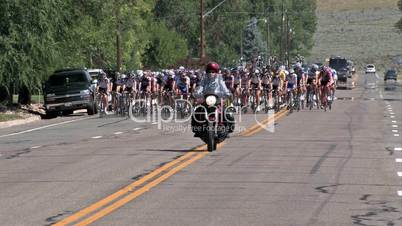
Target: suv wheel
49,115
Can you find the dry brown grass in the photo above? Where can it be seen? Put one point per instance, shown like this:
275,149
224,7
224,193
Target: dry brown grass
337,5
362,30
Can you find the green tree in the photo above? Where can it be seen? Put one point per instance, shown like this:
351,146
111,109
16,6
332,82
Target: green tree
28,32
254,45
165,48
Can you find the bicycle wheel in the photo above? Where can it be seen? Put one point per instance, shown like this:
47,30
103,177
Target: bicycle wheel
291,104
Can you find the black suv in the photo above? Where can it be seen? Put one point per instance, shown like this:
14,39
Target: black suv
341,67
68,90
390,75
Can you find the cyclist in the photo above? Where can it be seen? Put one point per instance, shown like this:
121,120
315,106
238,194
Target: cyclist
182,84
335,78
169,87
236,85
130,84
325,80
229,81
115,83
254,83
145,84
182,90
244,87
312,82
276,86
301,80
120,88
291,85
103,89
195,80
282,72
267,85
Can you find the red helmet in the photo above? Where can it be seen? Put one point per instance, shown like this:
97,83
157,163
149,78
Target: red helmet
212,67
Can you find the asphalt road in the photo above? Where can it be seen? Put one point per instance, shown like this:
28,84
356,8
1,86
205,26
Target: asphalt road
316,168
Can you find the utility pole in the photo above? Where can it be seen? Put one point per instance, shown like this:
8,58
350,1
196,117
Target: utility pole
267,23
241,44
281,36
202,33
287,40
118,37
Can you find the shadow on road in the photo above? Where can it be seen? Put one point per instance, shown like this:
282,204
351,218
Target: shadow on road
175,150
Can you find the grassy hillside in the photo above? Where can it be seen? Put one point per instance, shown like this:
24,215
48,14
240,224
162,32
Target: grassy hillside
360,29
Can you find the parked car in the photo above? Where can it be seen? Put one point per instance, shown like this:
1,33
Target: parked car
370,68
391,75
94,73
68,90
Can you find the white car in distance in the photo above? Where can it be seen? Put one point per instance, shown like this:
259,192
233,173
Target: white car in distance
370,68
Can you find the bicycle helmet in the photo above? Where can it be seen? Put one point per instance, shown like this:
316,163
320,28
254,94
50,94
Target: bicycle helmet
140,73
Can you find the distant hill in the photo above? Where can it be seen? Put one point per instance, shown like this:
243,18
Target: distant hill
362,30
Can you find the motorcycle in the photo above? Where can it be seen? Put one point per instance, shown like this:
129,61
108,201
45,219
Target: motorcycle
212,121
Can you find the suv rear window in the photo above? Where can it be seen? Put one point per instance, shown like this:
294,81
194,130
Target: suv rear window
391,72
338,63
67,78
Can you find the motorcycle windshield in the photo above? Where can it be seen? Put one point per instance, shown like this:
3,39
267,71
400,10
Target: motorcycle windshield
213,85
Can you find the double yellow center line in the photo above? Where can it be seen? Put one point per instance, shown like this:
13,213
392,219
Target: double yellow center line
123,196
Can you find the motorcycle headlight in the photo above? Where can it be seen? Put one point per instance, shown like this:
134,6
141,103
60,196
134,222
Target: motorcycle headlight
210,100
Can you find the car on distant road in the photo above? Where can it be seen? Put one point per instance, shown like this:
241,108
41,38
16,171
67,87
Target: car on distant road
341,66
68,90
370,68
391,75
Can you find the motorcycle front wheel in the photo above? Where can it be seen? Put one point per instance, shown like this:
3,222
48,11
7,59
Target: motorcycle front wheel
211,137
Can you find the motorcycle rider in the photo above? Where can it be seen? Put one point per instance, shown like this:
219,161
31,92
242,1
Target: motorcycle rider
212,82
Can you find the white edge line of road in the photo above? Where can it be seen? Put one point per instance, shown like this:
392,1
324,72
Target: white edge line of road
398,160
395,131
394,126
397,149
42,127
97,137
135,129
35,147
396,135
392,116
399,174
117,133
393,121
399,193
